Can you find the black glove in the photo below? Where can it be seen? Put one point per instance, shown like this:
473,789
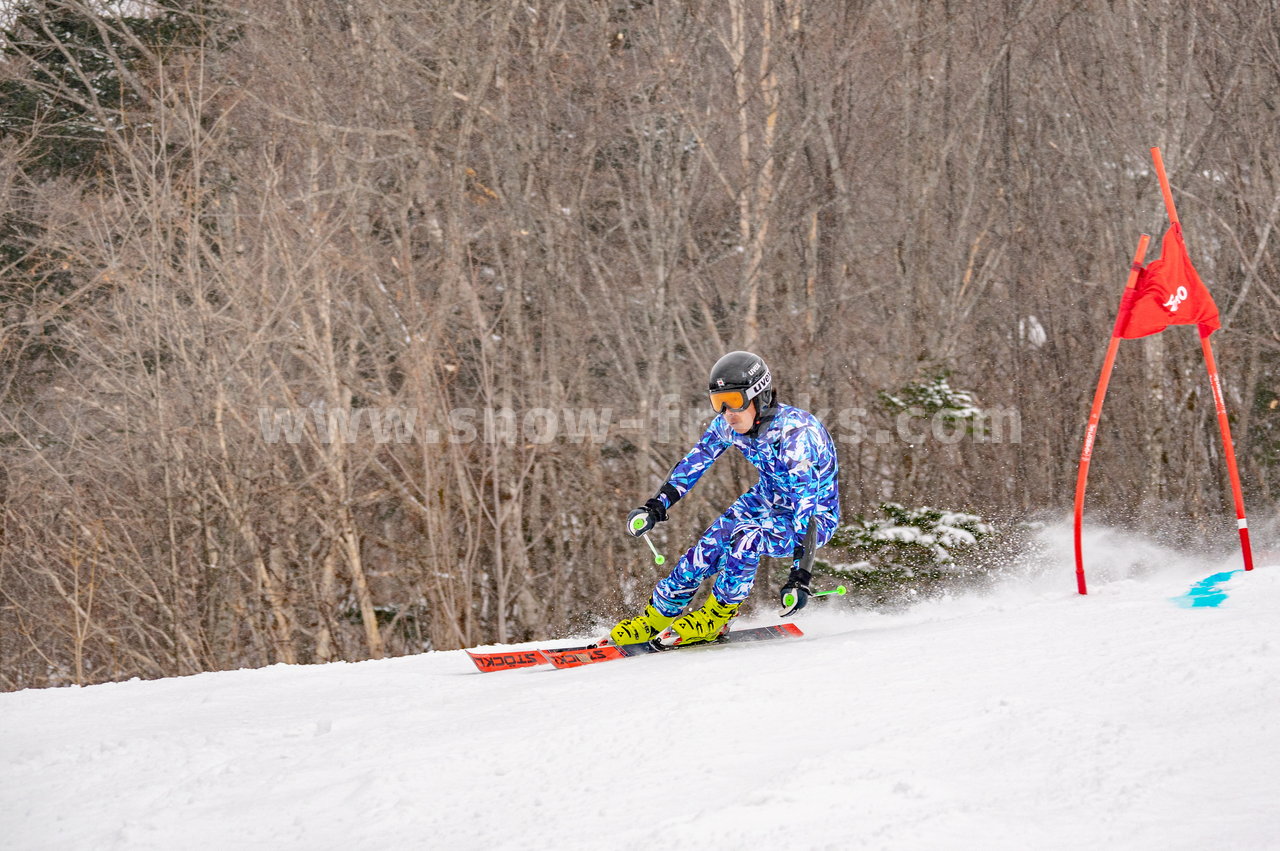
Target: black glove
653,512
797,585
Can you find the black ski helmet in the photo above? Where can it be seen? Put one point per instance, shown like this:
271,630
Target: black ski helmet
746,373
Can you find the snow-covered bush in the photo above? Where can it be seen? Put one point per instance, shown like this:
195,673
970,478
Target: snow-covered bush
904,551
933,397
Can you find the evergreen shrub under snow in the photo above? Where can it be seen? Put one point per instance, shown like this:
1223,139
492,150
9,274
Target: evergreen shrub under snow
902,552
933,395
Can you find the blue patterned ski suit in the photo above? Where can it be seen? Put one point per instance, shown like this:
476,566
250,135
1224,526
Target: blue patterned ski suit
797,462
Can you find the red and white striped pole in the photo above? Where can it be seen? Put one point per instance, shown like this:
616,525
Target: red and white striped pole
1242,523
1091,431
1211,366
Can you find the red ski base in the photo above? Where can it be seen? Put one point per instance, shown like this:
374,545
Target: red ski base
575,657
512,659
590,655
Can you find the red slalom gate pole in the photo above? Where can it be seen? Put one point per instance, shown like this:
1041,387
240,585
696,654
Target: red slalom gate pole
1095,413
1164,185
1242,523
1210,365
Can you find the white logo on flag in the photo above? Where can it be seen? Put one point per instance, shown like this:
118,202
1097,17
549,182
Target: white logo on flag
1176,299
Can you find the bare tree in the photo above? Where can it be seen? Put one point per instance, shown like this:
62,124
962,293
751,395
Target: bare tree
336,332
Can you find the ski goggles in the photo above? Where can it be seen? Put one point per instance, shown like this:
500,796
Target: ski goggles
734,400
738,400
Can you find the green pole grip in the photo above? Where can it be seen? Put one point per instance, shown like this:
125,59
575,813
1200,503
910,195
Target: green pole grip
790,599
637,523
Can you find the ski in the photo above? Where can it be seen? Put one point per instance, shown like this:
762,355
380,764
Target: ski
573,658
576,657
509,660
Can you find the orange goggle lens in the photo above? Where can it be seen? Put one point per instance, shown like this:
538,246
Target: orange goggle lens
734,400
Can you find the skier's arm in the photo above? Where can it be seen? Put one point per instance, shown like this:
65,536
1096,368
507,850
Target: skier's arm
685,474
795,593
681,479
805,454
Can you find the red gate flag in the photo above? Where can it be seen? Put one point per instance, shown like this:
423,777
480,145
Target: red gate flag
1168,292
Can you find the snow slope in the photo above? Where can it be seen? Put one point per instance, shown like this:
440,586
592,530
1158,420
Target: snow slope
1023,718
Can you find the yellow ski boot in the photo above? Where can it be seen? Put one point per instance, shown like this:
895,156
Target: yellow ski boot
705,624
640,628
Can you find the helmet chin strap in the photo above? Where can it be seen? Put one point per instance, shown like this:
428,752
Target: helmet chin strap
763,415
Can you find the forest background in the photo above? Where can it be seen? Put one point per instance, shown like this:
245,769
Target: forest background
336,330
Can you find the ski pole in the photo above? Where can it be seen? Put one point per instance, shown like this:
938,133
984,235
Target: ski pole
790,599
636,524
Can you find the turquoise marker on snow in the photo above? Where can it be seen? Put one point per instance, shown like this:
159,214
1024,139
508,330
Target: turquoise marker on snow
1207,593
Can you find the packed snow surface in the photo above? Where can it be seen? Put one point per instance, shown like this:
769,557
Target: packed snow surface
1022,717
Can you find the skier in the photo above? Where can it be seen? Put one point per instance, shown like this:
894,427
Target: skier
791,511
